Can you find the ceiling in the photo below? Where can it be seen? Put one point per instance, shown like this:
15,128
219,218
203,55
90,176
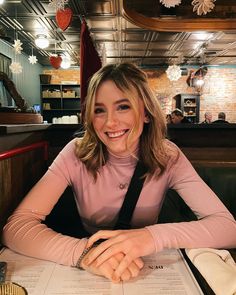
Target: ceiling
113,27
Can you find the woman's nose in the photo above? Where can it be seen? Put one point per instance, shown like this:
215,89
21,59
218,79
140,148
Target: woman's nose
111,119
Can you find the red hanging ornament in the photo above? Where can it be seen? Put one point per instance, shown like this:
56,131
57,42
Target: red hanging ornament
63,18
55,61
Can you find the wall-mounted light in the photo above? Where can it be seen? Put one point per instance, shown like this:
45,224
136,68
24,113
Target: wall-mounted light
41,41
199,82
199,78
1,2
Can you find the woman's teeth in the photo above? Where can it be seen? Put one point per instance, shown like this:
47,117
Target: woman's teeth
115,134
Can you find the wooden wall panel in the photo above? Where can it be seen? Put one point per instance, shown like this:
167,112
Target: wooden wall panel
18,174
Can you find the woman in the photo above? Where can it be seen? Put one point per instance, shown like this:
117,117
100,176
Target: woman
124,123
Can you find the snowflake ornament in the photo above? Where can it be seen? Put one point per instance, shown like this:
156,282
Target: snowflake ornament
173,73
17,46
58,4
170,3
203,6
16,68
32,59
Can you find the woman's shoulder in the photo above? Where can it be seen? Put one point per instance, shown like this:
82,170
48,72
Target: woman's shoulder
67,160
68,153
71,145
171,148
173,153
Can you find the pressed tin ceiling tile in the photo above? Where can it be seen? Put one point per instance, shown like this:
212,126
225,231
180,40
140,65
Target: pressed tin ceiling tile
123,40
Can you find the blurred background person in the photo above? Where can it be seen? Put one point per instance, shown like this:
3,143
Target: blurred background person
221,118
208,118
168,119
177,117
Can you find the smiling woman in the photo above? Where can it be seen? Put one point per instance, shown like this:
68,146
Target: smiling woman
125,129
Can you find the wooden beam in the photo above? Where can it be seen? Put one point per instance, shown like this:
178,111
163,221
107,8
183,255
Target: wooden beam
172,24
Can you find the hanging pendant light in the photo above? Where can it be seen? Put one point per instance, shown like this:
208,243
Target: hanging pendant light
41,41
66,62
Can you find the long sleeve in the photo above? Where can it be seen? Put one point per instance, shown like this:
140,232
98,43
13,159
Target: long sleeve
215,227
25,233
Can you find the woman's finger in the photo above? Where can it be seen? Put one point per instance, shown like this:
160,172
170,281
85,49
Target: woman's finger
132,243
139,262
102,234
101,253
136,266
126,275
124,264
105,250
106,269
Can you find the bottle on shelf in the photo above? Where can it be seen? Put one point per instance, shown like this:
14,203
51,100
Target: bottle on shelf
58,100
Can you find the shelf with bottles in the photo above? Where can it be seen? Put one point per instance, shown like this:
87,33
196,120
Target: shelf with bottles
60,91
51,104
59,100
49,115
190,102
189,114
190,105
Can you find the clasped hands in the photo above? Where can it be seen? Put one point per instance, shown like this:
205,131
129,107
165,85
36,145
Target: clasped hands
118,258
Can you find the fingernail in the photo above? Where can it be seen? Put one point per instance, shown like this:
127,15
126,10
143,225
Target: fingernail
114,277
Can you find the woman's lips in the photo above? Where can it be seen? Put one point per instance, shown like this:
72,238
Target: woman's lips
116,134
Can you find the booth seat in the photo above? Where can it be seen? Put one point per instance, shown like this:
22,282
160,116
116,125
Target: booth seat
222,180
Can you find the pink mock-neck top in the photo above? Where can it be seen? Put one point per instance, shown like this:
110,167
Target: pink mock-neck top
99,203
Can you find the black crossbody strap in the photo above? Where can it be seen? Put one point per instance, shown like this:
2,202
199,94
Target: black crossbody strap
131,197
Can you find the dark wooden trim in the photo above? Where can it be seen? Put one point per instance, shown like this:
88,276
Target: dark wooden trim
172,24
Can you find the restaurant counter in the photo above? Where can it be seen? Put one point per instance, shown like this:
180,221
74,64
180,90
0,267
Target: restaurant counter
214,144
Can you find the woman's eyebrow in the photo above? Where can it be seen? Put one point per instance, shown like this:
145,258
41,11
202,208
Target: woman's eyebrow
99,104
121,100
116,102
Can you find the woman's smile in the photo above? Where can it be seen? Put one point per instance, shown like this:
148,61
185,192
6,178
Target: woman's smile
116,134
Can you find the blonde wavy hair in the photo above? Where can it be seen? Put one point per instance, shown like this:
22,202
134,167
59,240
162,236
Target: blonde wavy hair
154,151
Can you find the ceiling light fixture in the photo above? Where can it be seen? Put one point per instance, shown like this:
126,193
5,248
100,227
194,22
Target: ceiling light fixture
66,62
1,2
41,41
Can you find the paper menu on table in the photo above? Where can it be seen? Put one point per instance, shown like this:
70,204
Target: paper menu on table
164,273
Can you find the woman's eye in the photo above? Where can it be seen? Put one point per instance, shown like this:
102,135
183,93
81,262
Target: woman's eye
122,107
98,110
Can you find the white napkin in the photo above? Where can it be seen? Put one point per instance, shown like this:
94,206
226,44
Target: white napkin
217,267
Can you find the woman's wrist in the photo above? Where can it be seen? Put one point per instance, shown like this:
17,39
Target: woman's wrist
78,263
85,252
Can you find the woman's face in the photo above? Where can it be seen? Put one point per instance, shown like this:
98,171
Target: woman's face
114,118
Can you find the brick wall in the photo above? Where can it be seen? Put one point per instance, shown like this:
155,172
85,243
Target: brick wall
218,93
64,75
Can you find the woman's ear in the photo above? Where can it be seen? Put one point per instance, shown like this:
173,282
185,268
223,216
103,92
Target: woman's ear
146,119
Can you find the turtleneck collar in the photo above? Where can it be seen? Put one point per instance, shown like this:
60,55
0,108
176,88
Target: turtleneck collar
126,160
